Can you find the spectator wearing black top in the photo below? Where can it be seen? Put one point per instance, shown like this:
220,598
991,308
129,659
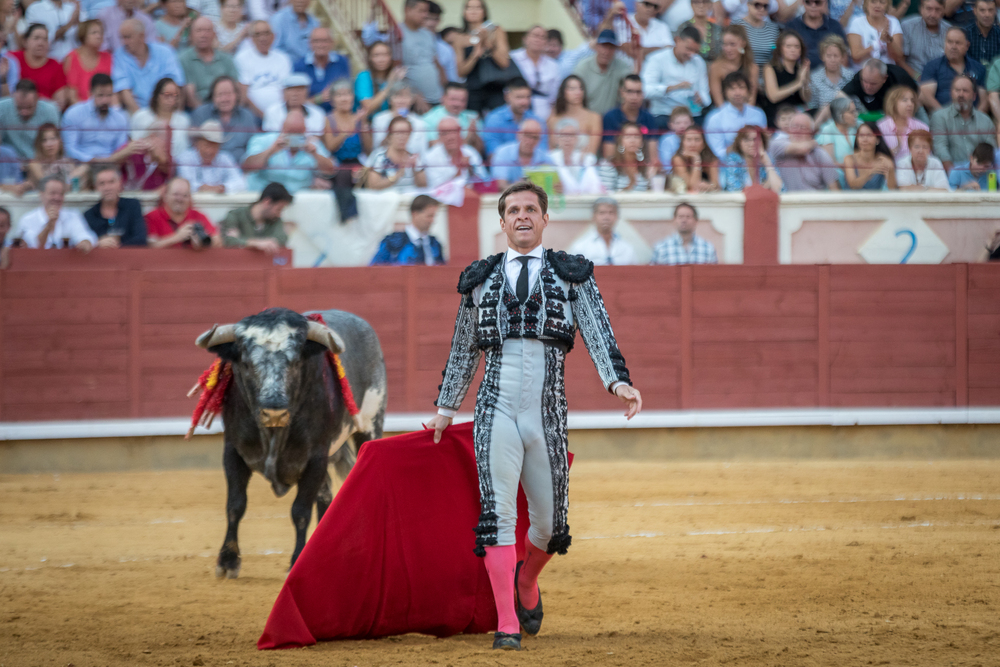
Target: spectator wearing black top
814,26
116,221
629,110
874,80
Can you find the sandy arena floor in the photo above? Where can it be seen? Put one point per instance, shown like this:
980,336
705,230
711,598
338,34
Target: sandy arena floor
748,564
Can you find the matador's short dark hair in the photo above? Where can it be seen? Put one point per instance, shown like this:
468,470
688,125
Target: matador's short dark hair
524,186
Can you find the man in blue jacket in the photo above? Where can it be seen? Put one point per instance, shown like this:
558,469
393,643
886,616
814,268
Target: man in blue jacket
415,245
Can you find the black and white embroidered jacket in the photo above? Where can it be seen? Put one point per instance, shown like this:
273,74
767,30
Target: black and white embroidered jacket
563,300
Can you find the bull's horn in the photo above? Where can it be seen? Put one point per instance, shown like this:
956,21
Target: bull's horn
217,335
326,336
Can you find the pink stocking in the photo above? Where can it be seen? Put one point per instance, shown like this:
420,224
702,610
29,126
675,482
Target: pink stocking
527,579
500,563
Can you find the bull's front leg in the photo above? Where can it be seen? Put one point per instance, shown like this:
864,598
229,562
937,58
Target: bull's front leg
237,477
310,482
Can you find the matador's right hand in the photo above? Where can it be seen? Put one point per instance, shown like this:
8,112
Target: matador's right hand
438,423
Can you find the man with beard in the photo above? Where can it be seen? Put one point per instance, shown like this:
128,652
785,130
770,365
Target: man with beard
94,131
522,308
958,128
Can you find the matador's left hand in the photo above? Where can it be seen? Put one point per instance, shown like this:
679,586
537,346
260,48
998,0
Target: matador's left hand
631,397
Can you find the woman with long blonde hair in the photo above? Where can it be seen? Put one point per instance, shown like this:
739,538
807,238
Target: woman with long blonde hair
900,105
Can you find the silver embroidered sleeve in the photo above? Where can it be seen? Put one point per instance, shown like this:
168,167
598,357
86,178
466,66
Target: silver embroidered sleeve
463,360
595,329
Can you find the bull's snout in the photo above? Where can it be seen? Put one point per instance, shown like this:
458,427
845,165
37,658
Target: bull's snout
273,418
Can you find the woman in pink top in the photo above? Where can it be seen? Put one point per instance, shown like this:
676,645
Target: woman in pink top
900,105
87,60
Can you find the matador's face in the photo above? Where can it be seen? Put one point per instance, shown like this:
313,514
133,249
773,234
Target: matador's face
523,221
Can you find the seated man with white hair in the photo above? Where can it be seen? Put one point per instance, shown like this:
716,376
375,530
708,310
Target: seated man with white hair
801,163
511,159
603,246
138,65
206,167
290,157
450,158
52,226
296,95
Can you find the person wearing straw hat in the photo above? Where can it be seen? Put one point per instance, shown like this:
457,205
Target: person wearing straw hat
208,168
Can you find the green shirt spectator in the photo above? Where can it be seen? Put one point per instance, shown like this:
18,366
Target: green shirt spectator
259,225
202,64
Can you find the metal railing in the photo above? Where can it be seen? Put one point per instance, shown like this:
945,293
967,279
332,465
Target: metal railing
352,20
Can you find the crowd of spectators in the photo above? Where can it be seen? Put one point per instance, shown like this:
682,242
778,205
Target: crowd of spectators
180,97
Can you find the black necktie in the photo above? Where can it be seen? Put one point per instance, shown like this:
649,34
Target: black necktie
522,280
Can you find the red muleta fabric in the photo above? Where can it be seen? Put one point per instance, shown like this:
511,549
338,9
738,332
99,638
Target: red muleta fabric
394,552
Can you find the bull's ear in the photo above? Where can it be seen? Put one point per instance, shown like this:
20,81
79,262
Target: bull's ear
326,337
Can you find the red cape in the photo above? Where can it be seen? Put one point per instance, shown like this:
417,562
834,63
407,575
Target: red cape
394,552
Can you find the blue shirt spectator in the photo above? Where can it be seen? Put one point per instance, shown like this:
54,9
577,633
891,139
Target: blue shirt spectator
506,162
815,15
94,129
669,143
293,170
323,66
292,27
500,125
963,178
128,75
722,124
941,72
10,166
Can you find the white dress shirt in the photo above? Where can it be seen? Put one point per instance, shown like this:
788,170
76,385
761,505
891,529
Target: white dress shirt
593,247
512,267
70,225
421,240
275,115
661,70
223,171
543,78
655,35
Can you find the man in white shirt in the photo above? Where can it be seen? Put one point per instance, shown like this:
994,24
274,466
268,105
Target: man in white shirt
61,17
449,158
539,70
296,93
52,226
206,167
603,246
722,124
675,77
262,69
653,33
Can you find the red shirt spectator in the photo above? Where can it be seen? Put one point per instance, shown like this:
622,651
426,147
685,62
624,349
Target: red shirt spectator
46,73
170,225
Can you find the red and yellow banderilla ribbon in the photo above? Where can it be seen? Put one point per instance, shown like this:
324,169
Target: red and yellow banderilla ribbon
213,384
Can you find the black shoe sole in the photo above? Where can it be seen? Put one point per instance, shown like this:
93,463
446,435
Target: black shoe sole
530,619
506,642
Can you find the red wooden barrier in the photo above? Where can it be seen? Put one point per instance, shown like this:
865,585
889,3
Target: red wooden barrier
111,335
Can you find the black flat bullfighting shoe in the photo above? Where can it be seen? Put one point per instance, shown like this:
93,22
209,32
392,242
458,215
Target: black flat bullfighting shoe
507,642
530,619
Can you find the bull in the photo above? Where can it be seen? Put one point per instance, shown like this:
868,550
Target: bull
284,412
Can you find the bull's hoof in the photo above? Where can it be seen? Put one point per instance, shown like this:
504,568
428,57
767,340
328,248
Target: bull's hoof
226,573
228,565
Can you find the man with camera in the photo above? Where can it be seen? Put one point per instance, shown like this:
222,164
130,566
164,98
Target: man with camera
176,224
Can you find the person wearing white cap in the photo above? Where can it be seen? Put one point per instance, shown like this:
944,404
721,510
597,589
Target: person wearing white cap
207,168
296,95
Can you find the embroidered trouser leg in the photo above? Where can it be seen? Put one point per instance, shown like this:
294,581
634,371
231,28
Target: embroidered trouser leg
521,437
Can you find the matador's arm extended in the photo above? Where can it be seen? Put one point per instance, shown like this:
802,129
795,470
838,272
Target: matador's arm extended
463,360
595,329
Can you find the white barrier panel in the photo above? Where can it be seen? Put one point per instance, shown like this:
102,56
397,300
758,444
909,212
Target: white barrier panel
886,227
